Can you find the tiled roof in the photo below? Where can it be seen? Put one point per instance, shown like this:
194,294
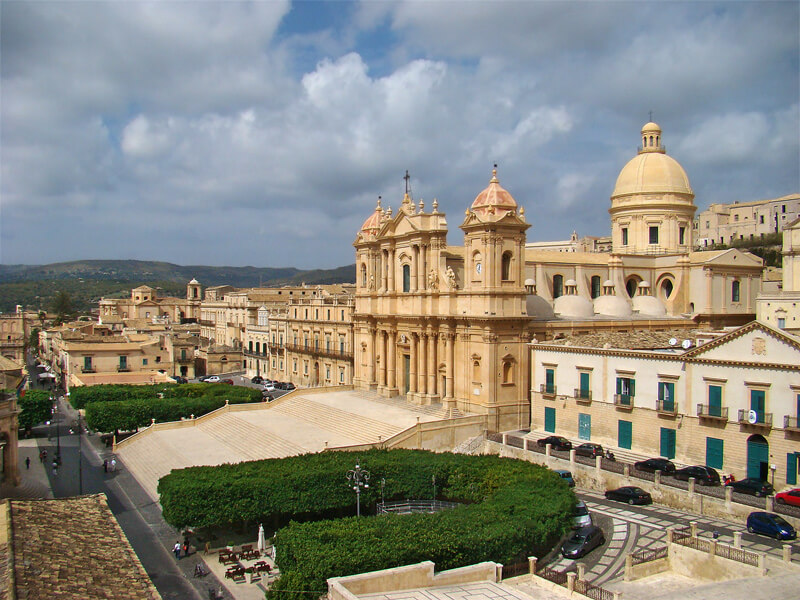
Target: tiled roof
70,549
634,340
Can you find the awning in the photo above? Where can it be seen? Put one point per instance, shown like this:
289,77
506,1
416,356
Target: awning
46,376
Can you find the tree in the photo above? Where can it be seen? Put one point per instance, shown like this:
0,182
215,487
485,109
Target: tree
33,341
63,307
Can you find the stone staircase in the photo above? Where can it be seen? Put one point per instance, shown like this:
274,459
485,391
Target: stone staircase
362,430
437,410
149,459
248,440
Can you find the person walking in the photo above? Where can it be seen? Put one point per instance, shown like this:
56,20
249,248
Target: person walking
186,547
177,550
105,465
28,462
55,468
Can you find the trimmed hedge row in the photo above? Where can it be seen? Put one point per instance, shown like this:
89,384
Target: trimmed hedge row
35,408
511,509
81,396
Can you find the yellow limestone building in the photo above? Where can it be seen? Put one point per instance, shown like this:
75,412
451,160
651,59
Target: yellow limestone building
445,324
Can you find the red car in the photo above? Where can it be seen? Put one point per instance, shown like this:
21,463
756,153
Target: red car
228,381
789,497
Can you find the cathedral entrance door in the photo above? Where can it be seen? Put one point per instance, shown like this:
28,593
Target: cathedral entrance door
406,373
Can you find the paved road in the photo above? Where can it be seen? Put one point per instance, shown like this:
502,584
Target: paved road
631,528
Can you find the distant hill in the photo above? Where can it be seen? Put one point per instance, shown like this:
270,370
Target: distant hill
86,281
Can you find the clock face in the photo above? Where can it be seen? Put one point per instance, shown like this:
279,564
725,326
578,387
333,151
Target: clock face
478,268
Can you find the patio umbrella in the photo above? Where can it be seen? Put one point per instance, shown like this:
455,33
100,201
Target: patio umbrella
262,543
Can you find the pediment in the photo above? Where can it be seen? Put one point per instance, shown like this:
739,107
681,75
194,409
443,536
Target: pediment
400,225
731,257
752,343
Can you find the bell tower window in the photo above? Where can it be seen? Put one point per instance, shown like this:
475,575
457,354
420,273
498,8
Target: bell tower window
506,267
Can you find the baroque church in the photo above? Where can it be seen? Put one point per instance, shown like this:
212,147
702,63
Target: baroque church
450,324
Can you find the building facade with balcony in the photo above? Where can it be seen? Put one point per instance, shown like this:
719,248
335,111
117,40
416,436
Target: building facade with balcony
308,341
145,303
745,221
781,308
727,400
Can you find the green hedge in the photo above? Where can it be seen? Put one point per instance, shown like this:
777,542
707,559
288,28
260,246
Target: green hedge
511,509
82,396
35,408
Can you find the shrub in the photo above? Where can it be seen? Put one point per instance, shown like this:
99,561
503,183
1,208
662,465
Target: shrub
35,408
511,509
81,396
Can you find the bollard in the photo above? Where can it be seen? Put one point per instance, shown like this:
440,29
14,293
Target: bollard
692,482
572,459
769,505
737,539
525,444
505,439
581,571
787,553
712,548
498,572
626,470
670,533
657,477
629,567
532,564
762,564
547,450
571,581
728,497
693,526
598,463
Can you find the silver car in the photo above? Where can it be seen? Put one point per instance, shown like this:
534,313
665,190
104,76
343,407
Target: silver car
582,517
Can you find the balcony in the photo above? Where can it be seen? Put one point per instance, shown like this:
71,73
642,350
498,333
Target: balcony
320,351
584,396
548,390
623,401
761,419
706,411
667,407
123,369
185,359
88,370
254,354
791,423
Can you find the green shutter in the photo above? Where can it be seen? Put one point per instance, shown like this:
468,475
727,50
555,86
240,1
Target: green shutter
632,387
714,452
666,393
715,400
619,385
550,419
667,442
584,382
757,403
791,468
624,434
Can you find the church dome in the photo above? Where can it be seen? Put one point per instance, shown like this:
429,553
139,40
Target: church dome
645,304
494,199
651,171
373,223
611,305
538,308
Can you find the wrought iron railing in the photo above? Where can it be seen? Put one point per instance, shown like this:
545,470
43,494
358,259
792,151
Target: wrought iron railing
708,411
643,556
791,422
558,577
595,592
516,569
582,395
761,418
623,400
738,554
547,389
668,407
415,506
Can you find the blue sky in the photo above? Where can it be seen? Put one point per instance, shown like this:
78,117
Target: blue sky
231,133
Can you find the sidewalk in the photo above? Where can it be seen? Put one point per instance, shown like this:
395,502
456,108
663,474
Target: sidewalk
35,483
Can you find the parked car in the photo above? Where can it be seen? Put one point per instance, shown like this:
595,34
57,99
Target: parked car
566,476
268,386
556,442
589,449
752,486
788,497
179,379
651,465
583,541
286,385
630,494
703,475
257,379
211,379
771,525
582,517
228,381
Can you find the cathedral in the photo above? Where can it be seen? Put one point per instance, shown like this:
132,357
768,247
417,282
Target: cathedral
450,325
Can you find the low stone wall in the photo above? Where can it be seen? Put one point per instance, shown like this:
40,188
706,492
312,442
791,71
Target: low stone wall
593,478
420,575
705,566
646,569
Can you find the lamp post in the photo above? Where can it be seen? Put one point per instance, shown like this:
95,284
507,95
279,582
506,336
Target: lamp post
358,477
58,432
433,477
80,456
383,485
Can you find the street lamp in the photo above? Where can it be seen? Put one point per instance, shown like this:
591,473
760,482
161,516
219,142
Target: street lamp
58,432
383,484
358,478
433,478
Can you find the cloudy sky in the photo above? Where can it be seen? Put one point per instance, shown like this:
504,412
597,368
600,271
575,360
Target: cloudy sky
261,133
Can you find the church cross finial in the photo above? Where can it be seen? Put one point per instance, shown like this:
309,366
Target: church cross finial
651,116
407,178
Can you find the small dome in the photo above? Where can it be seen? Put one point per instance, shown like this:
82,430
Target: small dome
608,283
573,305
494,199
373,223
571,283
649,305
194,282
538,308
643,285
529,283
651,128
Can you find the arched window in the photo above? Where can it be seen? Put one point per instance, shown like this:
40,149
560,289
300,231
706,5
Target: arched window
506,270
666,288
558,286
363,275
251,345
735,287
476,370
595,286
406,278
630,286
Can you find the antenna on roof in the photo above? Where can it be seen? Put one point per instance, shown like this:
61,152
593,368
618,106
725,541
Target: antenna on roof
686,344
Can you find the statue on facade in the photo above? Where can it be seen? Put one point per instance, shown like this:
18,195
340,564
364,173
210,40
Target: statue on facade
433,280
372,282
451,279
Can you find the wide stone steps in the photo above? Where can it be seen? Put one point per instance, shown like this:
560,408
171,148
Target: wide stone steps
149,459
250,441
433,410
362,430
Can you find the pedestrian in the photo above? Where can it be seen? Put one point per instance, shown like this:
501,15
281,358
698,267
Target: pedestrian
186,547
27,462
113,464
208,548
44,455
41,456
55,468
177,550
105,465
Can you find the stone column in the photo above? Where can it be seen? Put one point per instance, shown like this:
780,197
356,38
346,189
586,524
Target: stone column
449,391
373,365
414,267
726,295
384,360
432,364
392,364
748,290
422,369
390,268
412,371
709,289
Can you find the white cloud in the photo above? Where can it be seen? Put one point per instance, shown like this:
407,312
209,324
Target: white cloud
141,139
